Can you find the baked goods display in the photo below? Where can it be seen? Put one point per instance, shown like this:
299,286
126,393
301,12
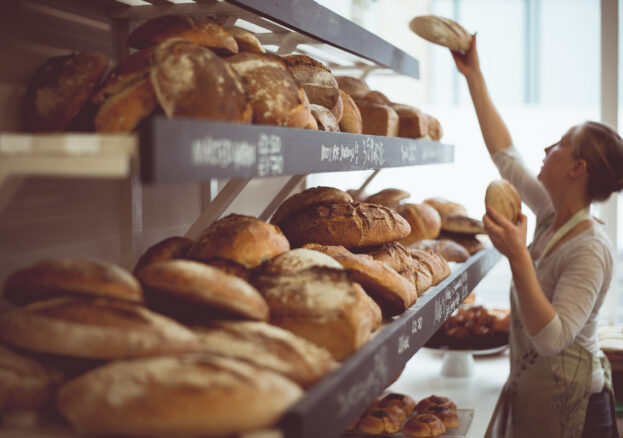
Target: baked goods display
504,198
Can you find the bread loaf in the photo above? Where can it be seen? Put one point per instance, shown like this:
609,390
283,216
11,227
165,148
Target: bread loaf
378,119
228,266
412,123
200,30
433,128
351,117
446,207
94,329
504,198
422,277
243,239
350,225
330,250
71,276
192,81
172,283
397,257
442,31
448,249
276,99
320,304
424,220
167,249
377,97
467,241
59,89
461,224
297,260
191,395
355,87
308,198
389,197
438,266
325,119
247,41
268,346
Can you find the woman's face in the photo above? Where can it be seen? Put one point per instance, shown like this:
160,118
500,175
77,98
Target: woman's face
559,159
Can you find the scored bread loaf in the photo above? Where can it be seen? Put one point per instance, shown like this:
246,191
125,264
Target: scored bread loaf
397,257
439,267
267,346
200,30
71,276
95,329
192,81
59,89
351,117
247,41
170,248
187,290
442,31
243,239
276,99
461,224
504,198
378,119
351,225
308,198
190,395
320,304
297,260
355,87
390,197
325,119
425,222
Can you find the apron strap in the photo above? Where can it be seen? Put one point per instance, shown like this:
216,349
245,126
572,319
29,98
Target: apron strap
580,216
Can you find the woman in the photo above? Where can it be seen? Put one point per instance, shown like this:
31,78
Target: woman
560,382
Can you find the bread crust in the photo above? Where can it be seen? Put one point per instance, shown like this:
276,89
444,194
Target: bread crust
442,31
378,119
325,119
247,41
389,197
504,198
355,87
448,249
412,123
308,198
424,220
351,117
170,248
461,225
467,241
438,266
446,207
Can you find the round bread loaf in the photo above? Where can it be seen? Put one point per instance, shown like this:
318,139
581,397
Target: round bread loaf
330,250
351,117
246,240
247,41
352,225
307,198
59,89
394,254
445,207
504,198
267,346
424,425
25,384
442,31
389,197
379,422
325,119
276,98
192,81
446,414
438,266
167,249
297,260
94,329
200,30
191,395
172,283
424,220
71,276
355,87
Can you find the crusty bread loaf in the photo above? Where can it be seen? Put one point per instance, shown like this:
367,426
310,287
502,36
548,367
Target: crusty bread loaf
467,241
351,225
59,89
355,87
247,41
446,207
439,267
422,277
320,304
243,239
392,292
25,384
317,81
376,314
378,119
191,395
122,112
389,197
504,198
377,97
442,31
192,81
425,222
167,249
71,276
433,128
276,99
228,266
330,250
412,123
461,224
397,257
200,30
351,117
94,329
325,119
268,346
300,259
202,287
308,198
448,249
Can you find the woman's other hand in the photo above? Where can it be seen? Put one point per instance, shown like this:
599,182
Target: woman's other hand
508,238
467,62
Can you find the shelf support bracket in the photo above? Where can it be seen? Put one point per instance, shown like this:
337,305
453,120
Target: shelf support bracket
279,197
223,200
365,184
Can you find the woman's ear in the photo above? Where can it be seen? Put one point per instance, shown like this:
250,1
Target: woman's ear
579,169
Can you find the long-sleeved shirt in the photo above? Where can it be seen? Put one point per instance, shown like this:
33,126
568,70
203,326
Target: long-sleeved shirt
574,277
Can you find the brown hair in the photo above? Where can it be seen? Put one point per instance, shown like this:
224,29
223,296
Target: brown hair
602,149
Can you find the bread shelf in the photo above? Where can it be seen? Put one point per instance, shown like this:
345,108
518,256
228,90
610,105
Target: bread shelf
336,401
186,150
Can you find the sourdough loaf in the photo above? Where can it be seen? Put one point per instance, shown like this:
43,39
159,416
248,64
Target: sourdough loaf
192,81
351,117
442,31
377,97
446,207
351,225
94,329
390,197
330,250
200,30
424,220
439,267
325,119
504,198
448,249
247,41
412,123
397,257
190,395
300,259
378,119
246,240
188,290
170,248
468,241
461,224
71,276
355,87
308,198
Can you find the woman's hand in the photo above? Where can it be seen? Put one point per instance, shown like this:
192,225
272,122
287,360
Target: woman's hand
508,238
467,62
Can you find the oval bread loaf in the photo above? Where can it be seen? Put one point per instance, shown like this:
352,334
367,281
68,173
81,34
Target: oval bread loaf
424,220
504,198
442,31
308,198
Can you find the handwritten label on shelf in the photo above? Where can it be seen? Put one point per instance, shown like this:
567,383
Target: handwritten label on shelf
270,158
372,383
409,153
416,325
450,298
369,153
